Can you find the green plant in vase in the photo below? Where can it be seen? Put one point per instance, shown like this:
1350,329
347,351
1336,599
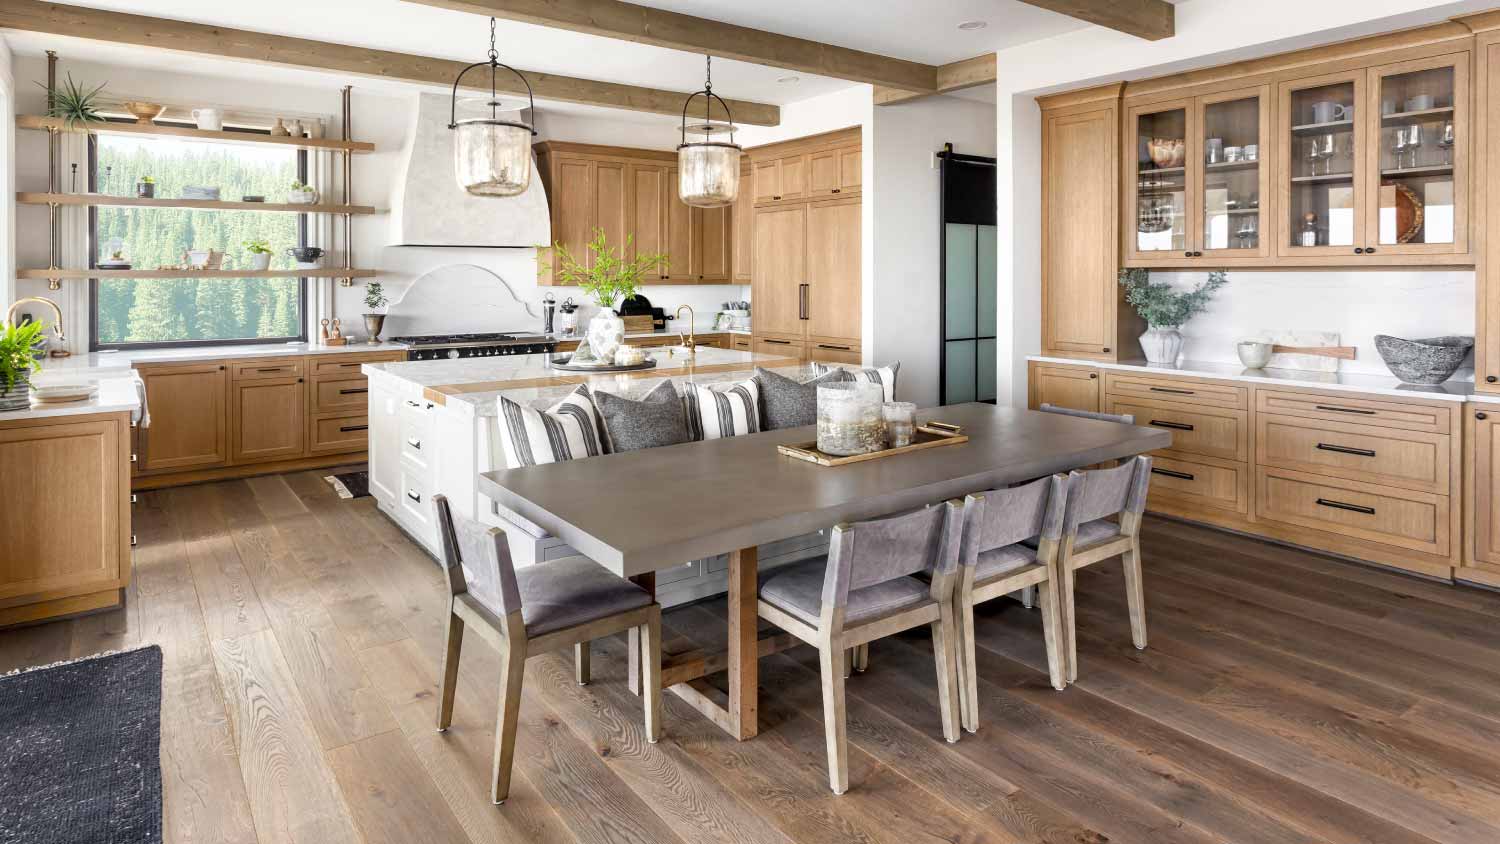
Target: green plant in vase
1165,309
607,278
145,187
75,106
18,359
260,254
375,299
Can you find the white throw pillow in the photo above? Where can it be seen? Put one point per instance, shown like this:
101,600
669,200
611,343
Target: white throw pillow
570,429
723,410
885,376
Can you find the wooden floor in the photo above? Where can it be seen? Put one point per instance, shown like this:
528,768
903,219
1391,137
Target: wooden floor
1285,698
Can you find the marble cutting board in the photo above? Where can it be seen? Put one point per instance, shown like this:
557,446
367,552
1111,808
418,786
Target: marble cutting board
1314,363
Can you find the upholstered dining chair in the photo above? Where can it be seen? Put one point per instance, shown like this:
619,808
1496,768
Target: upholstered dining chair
524,613
865,589
994,560
1103,521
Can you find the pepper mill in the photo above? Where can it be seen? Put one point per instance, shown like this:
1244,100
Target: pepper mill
549,309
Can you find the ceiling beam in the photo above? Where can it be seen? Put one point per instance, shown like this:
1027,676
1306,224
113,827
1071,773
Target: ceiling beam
956,76
1152,20
674,30
203,39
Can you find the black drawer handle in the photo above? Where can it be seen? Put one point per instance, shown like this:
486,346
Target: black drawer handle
347,428
416,444
1344,449
1176,426
1171,474
1336,409
274,369
353,391
1172,391
349,364
417,498
1353,508
777,342
839,348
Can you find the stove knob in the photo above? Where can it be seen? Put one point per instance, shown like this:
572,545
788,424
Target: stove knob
454,353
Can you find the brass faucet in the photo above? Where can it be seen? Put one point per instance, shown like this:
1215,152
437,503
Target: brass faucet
57,327
691,343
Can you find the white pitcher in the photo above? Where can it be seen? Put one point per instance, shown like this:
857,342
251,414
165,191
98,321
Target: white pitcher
211,119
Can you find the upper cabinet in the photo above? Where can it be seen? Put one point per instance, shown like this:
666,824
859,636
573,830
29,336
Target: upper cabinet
1419,127
1323,161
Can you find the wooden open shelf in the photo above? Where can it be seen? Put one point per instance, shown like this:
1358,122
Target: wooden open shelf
34,121
322,272
94,199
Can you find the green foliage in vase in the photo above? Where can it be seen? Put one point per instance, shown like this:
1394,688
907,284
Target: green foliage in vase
258,246
147,180
375,296
18,356
74,105
609,277
1163,306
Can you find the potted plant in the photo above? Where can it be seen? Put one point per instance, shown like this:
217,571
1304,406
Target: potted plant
375,320
74,106
18,359
1165,309
146,187
301,194
608,278
260,254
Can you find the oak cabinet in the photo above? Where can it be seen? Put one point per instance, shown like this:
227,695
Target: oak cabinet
780,264
269,419
189,419
789,346
682,235
782,178
743,240
648,218
1487,206
833,172
832,297
1074,387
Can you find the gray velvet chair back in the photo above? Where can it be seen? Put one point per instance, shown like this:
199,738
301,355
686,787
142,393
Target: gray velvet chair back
477,558
1001,517
1097,493
1088,414
867,553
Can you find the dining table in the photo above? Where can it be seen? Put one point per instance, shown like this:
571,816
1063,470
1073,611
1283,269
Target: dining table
638,512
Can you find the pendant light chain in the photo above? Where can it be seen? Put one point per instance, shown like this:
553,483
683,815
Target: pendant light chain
708,88
494,63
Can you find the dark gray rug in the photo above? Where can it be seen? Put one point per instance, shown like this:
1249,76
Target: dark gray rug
350,484
80,751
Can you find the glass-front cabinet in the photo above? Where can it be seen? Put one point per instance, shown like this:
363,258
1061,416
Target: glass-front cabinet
1419,178
1158,144
1234,190
1322,162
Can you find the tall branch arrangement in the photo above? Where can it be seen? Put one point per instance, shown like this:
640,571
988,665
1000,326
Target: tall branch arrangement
1162,305
611,276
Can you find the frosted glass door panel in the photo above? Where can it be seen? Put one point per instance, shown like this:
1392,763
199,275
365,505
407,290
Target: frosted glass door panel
960,320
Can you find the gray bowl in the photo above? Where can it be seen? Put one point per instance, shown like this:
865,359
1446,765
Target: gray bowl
1432,360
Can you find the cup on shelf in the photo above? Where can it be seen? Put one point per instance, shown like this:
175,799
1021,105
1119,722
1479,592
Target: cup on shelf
1329,111
1214,150
1252,152
1233,154
1421,102
210,119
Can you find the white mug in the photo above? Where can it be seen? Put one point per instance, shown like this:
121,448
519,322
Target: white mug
209,118
1328,111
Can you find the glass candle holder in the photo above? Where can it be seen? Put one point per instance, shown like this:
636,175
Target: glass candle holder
849,418
900,423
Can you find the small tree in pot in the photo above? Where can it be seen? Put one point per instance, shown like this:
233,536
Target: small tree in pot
1165,309
375,320
18,359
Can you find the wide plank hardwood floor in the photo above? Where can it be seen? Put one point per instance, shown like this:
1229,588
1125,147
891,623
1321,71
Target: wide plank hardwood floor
1285,697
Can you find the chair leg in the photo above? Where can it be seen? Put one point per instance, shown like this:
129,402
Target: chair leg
633,668
454,644
831,660
945,655
512,672
1053,634
1066,581
862,657
848,662
581,663
1027,597
1135,594
968,679
651,660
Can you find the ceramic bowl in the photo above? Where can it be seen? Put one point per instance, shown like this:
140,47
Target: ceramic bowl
1253,353
1167,152
1432,360
144,112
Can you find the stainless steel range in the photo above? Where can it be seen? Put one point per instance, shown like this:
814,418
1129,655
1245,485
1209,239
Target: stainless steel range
452,346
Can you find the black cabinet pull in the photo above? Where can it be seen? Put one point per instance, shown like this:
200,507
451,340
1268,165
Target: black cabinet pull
1336,409
1344,449
1176,426
777,342
1353,508
347,428
1481,415
1171,474
1359,251
352,391
1369,250
417,498
835,190
1187,254
1172,391
1490,379
838,348
1093,375
1106,348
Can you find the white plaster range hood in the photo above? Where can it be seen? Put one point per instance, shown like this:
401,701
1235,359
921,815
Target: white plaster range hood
430,209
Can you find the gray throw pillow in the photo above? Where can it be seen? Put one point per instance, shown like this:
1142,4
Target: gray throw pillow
788,403
655,420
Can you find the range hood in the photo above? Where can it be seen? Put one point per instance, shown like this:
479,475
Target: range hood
430,209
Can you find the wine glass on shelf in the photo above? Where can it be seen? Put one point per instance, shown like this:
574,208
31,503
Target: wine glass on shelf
1399,146
1445,141
1414,143
1324,144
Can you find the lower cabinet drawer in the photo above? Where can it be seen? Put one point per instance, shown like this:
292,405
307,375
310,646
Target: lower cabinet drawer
1408,459
1403,518
339,393
1198,430
340,433
413,497
834,351
1222,485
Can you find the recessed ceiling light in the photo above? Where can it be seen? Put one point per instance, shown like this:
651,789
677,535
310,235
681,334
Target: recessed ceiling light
789,80
968,25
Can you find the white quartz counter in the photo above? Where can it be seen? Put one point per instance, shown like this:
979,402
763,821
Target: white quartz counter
1453,390
122,359
117,392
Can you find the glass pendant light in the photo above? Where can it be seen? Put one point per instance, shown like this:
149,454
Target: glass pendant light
491,156
708,170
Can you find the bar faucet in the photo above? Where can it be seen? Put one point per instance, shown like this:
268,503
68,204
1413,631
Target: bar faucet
57,327
691,343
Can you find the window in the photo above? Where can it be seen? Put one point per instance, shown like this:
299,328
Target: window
155,312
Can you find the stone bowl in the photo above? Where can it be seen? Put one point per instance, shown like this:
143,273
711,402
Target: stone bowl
1432,360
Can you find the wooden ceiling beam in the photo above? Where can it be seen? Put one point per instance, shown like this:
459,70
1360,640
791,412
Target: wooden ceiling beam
956,76
677,31
203,39
1152,20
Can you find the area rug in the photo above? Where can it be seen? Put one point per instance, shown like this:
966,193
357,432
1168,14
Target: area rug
80,751
350,484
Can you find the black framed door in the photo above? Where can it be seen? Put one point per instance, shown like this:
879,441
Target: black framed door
968,277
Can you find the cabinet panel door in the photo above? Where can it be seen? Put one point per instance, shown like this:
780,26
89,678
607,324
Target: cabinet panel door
1322,159
851,170
833,269
573,210
744,217
270,421
1079,240
681,249
611,210
1487,183
784,346
767,180
385,448
780,269
1160,140
648,223
823,173
187,417
1075,387
1234,194
793,170
715,233
1486,503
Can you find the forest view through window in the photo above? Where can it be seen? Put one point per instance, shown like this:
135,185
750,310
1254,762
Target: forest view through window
175,311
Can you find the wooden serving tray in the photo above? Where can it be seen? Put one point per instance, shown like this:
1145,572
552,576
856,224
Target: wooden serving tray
931,435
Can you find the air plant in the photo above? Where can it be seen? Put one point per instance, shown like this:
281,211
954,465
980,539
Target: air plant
73,105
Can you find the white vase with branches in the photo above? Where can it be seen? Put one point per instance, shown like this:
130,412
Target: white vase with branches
607,278
1165,309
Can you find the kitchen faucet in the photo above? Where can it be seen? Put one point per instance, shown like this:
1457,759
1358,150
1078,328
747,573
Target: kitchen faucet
691,343
57,327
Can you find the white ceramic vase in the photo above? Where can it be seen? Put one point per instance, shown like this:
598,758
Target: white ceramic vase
606,333
1162,344
260,261
18,397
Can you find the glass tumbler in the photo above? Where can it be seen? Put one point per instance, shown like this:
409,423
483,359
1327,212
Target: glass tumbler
900,423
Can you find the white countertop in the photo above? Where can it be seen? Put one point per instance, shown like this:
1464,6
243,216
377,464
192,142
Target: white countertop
117,392
120,360
1453,390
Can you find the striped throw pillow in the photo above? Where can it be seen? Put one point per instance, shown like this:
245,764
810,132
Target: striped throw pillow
885,376
570,429
726,410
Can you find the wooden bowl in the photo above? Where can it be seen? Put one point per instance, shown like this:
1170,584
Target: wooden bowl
144,112
1167,152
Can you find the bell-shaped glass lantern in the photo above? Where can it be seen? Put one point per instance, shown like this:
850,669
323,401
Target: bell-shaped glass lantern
492,155
708,170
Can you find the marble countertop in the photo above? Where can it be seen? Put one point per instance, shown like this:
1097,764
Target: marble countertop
117,392
1452,390
96,363
701,330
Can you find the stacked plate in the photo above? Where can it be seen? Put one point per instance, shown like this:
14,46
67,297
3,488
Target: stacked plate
199,192
63,393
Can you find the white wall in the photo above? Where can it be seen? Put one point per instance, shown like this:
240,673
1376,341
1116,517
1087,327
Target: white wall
7,178
1209,32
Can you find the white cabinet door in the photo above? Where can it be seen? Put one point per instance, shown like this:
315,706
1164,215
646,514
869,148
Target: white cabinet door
385,444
